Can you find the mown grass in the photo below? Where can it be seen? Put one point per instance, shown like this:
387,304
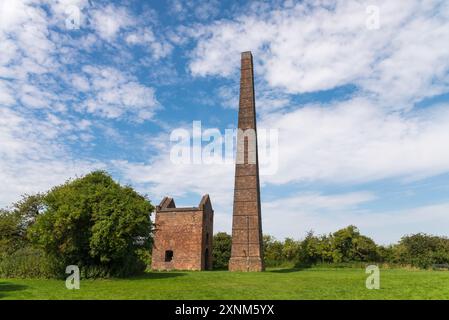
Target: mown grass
296,284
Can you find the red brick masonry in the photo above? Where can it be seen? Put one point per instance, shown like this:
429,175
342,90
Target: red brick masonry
247,250
183,236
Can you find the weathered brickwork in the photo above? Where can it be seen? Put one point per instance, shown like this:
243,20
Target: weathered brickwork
183,236
247,250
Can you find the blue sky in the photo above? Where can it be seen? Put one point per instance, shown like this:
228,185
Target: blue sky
361,111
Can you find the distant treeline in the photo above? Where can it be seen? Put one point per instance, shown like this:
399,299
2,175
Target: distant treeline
343,246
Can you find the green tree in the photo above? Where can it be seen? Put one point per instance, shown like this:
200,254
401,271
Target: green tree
14,222
422,250
343,244
95,223
386,253
365,249
9,231
221,251
272,251
27,209
325,248
309,250
291,249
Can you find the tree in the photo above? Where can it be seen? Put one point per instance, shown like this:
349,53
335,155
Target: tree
95,223
422,250
27,209
308,252
272,251
386,253
221,251
365,249
342,244
325,248
349,245
14,222
9,231
291,249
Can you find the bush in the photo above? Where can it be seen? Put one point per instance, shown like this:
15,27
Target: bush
422,250
385,254
221,252
343,246
29,262
308,251
273,252
96,224
10,236
14,223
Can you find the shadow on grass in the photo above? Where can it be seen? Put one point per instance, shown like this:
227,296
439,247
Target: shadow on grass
289,270
6,287
158,275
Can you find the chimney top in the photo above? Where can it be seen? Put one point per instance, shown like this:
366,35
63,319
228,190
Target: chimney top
246,55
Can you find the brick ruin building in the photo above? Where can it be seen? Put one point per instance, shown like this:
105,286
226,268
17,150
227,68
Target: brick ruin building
183,236
247,249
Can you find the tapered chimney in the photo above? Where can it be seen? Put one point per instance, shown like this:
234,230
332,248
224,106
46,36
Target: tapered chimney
247,249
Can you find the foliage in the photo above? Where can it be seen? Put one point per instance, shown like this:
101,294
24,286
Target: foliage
9,232
386,254
344,245
28,262
94,223
290,249
272,251
221,251
422,250
308,250
349,245
17,257
14,222
28,209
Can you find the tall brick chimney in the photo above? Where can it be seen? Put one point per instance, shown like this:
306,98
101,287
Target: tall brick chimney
247,249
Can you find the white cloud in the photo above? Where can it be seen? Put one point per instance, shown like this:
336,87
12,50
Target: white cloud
37,123
218,49
294,216
115,94
146,38
108,21
32,158
162,177
202,10
159,177
6,95
229,96
355,142
13,13
308,201
24,40
80,82
319,46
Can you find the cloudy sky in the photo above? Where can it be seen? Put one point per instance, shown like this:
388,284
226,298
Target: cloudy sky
361,104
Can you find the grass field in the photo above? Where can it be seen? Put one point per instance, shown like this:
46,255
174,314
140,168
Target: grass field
314,283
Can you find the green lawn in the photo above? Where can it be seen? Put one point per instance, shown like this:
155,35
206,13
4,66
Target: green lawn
314,283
